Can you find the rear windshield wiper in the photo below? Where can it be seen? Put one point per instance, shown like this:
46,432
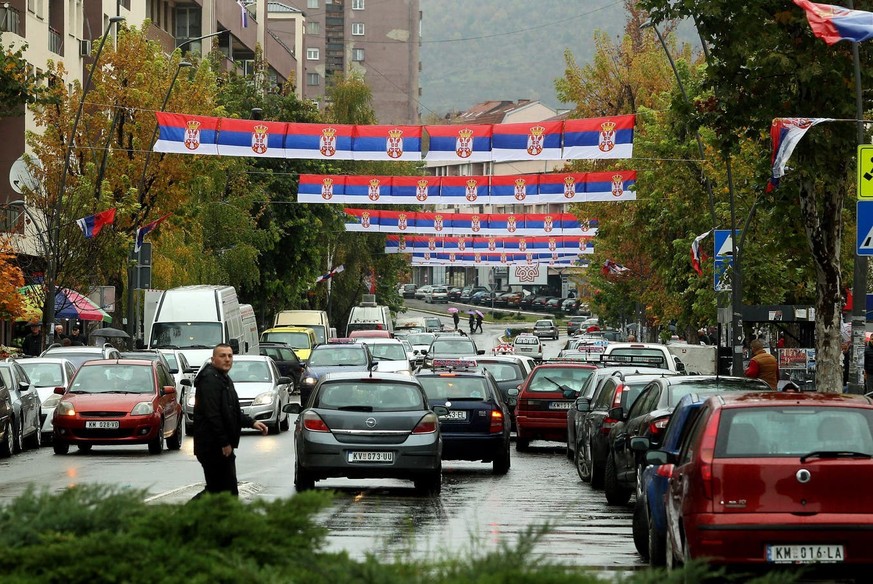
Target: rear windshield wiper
835,454
166,347
355,408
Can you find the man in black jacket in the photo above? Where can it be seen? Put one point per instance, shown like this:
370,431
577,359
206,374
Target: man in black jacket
218,422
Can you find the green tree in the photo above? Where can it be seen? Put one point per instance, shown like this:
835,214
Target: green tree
19,83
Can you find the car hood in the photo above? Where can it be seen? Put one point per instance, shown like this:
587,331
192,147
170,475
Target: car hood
251,389
392,366
87,402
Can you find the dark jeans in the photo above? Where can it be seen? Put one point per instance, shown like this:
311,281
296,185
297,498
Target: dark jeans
219,471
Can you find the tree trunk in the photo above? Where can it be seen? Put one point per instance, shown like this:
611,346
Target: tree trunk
822,220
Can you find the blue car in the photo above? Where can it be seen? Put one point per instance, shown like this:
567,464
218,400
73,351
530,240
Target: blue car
649,521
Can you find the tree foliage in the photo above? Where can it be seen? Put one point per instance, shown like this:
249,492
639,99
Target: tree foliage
18,84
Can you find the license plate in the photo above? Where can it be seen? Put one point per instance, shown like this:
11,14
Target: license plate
104,424
805,554
455,415
371,457
559,405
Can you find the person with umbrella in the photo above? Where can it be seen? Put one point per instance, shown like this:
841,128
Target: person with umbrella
455,318
479,317
472,322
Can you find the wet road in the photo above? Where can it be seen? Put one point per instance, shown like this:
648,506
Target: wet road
475,512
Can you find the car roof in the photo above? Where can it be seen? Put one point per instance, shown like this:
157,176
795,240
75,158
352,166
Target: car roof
93,362
379,341
365,376
790,398
75,349
288,329
250,357
564,365
47,360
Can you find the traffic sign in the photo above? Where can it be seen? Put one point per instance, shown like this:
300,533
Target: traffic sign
865,172
723,262
865,228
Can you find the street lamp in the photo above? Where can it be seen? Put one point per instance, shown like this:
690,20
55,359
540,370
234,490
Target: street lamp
55,230
206,36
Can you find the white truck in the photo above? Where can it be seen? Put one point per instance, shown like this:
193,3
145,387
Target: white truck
194,319
698,359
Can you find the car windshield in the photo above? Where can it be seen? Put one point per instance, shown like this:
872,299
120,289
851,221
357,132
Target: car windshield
186,335
420,339
765,432
388,352
369,396
679,390
249,372
452,347
449,387
543,324
171,360
298,340
432,322
641,352
552,378
43,374
114,378
503,371
527,341
338,356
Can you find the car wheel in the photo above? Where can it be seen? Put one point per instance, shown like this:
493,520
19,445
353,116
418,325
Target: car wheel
303,481
431,483
174,442
275,427
616,494
502,462
8,445
189,429
18,442
286,423
84,447
156,446
596,470
672,562
657,545
583,469
641,530
60,447
35,439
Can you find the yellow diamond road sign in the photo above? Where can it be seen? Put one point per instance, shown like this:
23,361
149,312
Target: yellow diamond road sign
865,171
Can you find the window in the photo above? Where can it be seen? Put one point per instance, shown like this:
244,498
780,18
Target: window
357,4
313,79
358,29
313,27
188,26
312,3
312,54
357,55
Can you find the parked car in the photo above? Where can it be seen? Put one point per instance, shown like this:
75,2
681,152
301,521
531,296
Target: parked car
553,305
7,430
454,294
139,396
760,481
648,417
528,344
545,328
544,399
477,424
570,306
467,292
344,431
483,298
46,374
422,291
263,391
407,290
26,406
78,355
509,372
437,294
538,304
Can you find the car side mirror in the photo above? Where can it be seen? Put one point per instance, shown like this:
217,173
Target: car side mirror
440,410
186,382
234,346
570,393
168,390
657,457
283,380
616,413
60,390
583,405
23,386
640,444
292,408
480,352
174,371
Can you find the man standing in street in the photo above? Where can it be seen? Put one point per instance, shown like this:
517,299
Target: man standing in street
218,422
763,365
32,343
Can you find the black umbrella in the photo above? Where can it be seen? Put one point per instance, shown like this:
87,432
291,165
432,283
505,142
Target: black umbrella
110,333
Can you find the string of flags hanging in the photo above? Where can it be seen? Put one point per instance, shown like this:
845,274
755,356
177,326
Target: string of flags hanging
428,258
420,243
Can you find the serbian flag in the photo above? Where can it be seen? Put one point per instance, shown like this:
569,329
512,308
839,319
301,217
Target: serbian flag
526,141
598,138
464,190
697,254
785,133
330,274
145,230
363,220
363,189
251,138
321,188
244,14
92,224
386,143
319,141
610,267
833,24
514,189
457,143
415,190
185,134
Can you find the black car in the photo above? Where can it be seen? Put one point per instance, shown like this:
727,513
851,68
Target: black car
287,362
648,417
408,290
7,430
508,373
467,292
454,294
483,298
570,305
337,355
477,425
574,323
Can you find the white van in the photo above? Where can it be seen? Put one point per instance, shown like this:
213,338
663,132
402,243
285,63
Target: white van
194,319
315,319
249,329
368,316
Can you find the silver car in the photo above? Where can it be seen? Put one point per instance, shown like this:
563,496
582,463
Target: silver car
47,373
367,426
262,391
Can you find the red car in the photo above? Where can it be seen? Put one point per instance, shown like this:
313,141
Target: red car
544,400
120,401
774,478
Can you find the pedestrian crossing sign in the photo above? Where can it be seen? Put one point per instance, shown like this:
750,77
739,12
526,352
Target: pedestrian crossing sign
865,228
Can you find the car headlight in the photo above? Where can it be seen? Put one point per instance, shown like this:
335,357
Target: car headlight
51,401
309,380
264,399
65,408
143,409
190,399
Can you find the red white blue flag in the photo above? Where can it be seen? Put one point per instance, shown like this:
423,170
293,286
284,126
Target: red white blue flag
527,141
187,134
145,230
785,133
244,14
92,224
319,141
386,143
251,138
598,138
697,254
313,188
457,143
833,24
330,274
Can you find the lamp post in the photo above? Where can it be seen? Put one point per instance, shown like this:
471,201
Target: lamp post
54,230
200,38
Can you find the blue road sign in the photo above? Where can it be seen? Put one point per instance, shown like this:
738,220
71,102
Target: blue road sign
865,228
723,260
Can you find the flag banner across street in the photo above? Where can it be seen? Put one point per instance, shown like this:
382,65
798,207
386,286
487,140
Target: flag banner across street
495,259
581,139
419,243
516,189
505,224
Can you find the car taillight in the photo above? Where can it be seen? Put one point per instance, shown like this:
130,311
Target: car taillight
608,422
496,422
427,425
664,470
707,450
616,400
314,423
607,425
657,426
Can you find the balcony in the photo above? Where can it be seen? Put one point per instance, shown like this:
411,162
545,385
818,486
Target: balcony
56,41
10,21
